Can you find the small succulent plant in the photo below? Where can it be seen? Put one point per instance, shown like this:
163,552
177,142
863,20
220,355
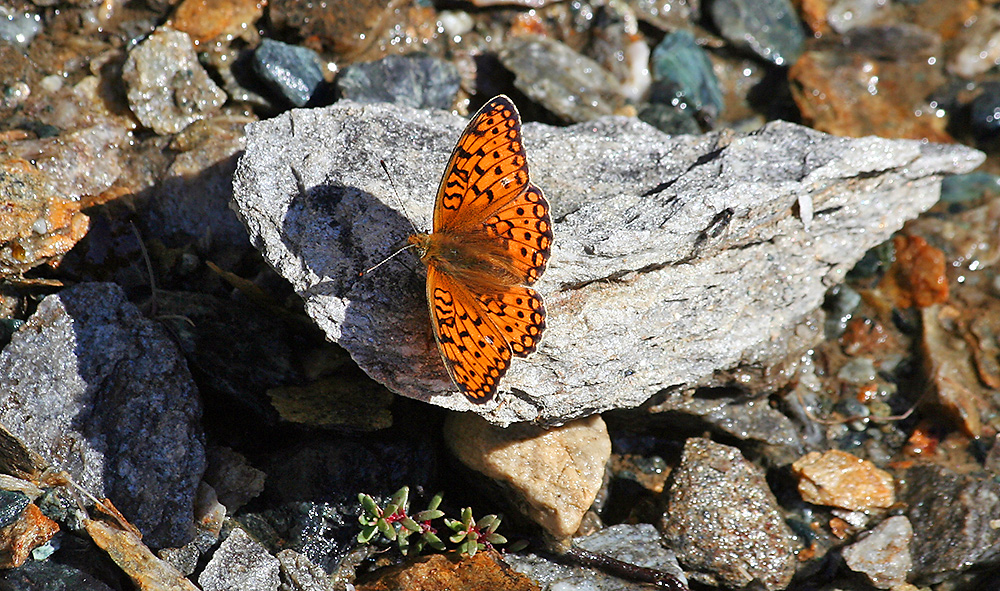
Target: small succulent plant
393,523
473,536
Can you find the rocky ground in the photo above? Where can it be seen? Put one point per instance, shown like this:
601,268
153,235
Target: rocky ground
771,358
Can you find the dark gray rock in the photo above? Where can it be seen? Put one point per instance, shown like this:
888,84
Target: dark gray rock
292,71
103,393
637,544
240,563
673,258
415,80
953,517
49,575
724,522
769,28
682,72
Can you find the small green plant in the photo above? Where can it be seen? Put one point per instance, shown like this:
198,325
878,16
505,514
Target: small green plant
395,524
473,536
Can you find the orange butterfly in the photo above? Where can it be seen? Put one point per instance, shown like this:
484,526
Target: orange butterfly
491,240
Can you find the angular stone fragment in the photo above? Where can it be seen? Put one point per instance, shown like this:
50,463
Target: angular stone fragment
555,474
723,521
674,257
839,479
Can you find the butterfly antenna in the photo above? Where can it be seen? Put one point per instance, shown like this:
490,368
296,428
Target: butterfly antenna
385,260
400,202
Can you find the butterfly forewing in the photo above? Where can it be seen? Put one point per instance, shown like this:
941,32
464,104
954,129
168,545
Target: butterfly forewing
487,167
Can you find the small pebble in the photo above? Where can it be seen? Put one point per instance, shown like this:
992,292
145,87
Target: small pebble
883,555
416,80
839,479
768,28
292,71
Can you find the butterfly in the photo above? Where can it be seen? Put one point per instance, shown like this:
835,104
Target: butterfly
491,240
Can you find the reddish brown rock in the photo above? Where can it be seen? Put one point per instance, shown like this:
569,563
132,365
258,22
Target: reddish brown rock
917,276
207,20
483,572
37,226
850,94
18,539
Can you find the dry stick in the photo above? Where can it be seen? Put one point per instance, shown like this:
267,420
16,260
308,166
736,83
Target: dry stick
626,570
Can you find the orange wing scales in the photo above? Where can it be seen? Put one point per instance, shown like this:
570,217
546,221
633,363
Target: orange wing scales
486,207
475,352
519,315
524,224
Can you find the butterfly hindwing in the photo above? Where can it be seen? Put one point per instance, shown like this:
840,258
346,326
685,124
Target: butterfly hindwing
475,352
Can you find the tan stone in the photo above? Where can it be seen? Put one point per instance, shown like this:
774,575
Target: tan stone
839,479
555,474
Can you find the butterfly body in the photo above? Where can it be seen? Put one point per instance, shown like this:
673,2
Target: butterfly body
491,240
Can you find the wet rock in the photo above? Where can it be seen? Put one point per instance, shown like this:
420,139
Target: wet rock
846,15
753,421
768,28
132,556
851,94
901,41
950,371
27,530
667,15
293,72
415,80
839,479
632,304
485,570
302,574
637,544
568,84
240,563
17,27
884,554
917,275
979,45
669,119
38,225
85,162
554,474
745,539
953,518
970,187
49,574
208,20
682,72
103,393
357,30
167,88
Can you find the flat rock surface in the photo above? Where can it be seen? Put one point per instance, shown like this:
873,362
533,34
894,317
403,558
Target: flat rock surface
673,257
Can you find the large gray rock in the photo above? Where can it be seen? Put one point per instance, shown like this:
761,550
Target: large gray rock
100,391
673,257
